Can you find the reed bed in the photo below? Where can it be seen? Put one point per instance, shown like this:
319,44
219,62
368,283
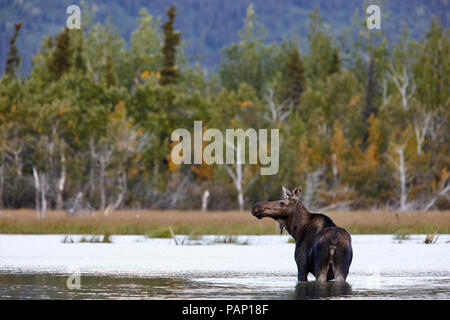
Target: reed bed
156,222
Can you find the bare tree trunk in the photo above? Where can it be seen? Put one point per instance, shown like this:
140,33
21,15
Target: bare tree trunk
92,168
335,168
61,183
239,179
43,195
444,189
205,200
402,82
179,191
237,176
420,130
19,164
123,190
402,172
442,192
37,187
102,183
313,184
276,113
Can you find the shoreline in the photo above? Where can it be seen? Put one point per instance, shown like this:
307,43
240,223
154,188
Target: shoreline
155,223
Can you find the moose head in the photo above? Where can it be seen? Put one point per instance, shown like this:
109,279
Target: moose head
280,210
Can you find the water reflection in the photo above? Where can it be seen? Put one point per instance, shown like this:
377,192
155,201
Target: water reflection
320,290
224,286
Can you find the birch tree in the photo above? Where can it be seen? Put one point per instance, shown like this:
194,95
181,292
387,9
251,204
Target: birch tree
238,172
398,155
404,83
278,112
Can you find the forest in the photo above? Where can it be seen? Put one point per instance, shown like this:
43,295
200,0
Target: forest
363,121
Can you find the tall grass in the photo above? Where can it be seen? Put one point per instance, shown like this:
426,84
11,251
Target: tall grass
155,223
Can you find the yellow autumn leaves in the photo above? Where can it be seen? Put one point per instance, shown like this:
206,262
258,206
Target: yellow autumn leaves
150,74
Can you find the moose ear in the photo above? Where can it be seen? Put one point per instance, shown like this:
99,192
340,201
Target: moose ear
286,193
297,192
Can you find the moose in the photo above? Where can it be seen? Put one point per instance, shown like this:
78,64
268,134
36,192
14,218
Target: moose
321,247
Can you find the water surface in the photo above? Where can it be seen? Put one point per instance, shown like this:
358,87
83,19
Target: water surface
254,267
190,286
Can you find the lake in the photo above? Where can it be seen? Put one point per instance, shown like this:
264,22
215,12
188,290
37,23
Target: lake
214,267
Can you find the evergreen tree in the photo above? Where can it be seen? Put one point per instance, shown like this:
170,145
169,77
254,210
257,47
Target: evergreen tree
295,77
61,59
171,40
324,55
13,59
370,107
335,64
79,61
110,77
250,60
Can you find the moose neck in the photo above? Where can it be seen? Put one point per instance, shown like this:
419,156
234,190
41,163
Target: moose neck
297,221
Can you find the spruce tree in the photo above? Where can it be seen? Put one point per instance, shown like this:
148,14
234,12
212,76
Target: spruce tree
79,61
370,96
13,60
171,40
295,77
61,60
110,77
335,64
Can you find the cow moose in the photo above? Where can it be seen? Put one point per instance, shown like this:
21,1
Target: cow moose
321,247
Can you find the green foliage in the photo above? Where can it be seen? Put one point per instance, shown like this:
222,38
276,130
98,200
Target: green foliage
250,61
324,57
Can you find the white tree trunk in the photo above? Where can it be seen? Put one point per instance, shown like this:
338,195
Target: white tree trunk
37,186
444,189
61,183
92,168
402,82
402,173
420,130
205,200
236,176
276,113
102,182
18,162
43,195
335,168
123,190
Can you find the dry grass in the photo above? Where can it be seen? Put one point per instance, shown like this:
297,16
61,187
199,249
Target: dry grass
216,222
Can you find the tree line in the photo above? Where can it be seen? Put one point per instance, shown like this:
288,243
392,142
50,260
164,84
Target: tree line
363,122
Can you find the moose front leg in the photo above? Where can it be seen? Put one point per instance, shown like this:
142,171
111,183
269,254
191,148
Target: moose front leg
300,259
302,273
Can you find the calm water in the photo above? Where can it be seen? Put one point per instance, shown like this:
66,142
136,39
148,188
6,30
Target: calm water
225,286
137,267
